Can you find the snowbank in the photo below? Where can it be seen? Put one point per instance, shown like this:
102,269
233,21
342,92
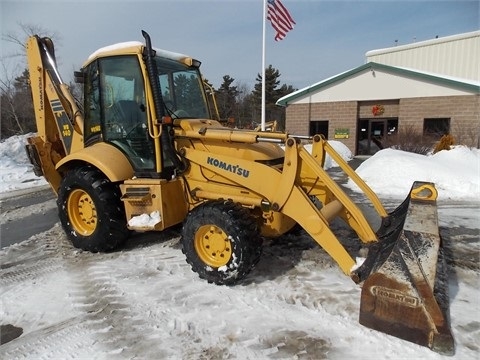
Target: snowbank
16,172
456,173
340,148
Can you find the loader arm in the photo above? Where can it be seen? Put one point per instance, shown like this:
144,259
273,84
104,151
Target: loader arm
284,193
58,116
321,147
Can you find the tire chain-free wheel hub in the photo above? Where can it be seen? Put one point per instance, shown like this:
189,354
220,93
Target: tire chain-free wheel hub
213,246
82,212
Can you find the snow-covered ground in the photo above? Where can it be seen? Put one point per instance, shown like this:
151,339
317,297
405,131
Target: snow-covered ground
144,302
15,170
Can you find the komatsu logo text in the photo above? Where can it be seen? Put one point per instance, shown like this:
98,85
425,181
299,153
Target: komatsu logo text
236,169
395,296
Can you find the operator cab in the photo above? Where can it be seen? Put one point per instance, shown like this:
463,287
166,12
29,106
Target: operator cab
117,108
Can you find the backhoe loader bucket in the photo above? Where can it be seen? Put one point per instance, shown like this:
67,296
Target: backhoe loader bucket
405,290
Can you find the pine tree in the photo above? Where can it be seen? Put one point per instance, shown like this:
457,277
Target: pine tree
272,94
227,98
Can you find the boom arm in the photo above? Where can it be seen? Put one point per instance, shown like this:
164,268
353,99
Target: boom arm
58,117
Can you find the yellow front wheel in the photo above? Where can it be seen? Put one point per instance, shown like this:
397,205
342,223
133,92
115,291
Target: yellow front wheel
221,241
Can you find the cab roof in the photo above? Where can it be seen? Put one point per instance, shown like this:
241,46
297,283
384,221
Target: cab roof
136,47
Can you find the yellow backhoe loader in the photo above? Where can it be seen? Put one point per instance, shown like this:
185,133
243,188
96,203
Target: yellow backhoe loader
141,152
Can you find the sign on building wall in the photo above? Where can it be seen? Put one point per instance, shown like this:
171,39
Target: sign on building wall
342,133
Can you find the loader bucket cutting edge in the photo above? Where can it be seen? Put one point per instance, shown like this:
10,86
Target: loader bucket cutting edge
405,289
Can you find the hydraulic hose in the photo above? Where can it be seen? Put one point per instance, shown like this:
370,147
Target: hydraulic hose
166,138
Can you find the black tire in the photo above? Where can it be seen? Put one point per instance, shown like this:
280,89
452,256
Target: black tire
90,210
221,242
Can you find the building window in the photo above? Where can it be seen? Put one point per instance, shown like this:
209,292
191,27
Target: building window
319,127
436,127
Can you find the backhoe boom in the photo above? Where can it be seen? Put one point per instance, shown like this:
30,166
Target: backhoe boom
58,117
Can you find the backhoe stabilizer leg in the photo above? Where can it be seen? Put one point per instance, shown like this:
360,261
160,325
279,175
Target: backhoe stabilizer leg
406,292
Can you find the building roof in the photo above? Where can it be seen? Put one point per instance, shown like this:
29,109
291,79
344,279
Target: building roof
442,80
455,55
431,42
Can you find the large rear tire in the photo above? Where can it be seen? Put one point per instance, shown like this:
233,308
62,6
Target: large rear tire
221,242
91,211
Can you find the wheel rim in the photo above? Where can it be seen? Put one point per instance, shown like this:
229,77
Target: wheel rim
82,212
213,246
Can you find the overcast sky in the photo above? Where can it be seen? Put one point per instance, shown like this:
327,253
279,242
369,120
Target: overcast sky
330,37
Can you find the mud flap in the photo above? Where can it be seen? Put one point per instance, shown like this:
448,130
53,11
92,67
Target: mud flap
405,293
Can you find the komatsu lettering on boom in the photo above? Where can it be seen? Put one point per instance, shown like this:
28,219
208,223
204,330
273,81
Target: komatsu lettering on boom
236,169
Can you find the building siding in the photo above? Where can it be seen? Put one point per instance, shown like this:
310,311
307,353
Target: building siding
463,112
457,56
340,115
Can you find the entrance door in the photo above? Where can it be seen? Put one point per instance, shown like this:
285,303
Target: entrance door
371,134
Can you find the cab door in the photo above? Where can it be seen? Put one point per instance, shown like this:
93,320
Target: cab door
116,110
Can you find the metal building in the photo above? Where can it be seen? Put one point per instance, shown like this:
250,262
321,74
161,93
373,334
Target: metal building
429,87
457,56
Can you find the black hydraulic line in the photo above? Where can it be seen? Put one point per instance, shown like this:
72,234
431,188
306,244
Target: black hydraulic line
149,56
166,138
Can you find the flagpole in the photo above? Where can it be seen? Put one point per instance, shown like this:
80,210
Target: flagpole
263,64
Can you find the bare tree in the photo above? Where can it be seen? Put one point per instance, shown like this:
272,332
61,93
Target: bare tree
8,109
20,38
245,105
15,95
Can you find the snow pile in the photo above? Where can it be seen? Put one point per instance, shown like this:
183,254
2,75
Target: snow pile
340,148
456,173
16,172
145,220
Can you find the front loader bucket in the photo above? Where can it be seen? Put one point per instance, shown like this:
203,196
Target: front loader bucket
405,292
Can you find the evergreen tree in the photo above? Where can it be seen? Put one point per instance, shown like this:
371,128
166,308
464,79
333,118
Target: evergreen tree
272,94
226,99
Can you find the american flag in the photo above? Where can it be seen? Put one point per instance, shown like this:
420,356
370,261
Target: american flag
280,18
